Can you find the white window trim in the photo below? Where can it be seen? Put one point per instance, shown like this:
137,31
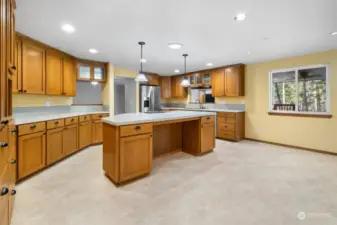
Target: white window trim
328,108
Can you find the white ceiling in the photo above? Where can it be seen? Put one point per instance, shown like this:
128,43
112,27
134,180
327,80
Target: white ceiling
273,29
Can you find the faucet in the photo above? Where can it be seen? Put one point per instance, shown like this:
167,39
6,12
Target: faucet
201,106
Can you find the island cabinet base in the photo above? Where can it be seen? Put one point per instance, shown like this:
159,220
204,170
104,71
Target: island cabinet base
128,150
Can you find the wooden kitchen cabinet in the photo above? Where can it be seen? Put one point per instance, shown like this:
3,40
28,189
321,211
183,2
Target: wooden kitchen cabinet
165,87
33,68
31,153
54,145
12,167
234,81
135,156
91,71
54,72
84,134
218,82
231,125
69,76
177,91
207,137
70,139
153,79
17,77
97,132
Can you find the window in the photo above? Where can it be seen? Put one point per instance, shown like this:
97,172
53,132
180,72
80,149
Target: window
300,90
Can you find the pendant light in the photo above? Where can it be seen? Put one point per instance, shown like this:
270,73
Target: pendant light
185,82
141,76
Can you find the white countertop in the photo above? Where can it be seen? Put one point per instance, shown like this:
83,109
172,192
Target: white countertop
23,118
205,110
137,118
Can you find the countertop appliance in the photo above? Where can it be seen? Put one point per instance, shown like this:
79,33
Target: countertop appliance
149,98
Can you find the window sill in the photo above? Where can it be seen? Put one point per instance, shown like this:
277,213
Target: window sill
325,116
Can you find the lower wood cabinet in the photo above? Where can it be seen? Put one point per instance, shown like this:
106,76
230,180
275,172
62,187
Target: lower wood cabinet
84,134
135,156
97,132
231,125
31,153
54,145
70,139
12,167
207,137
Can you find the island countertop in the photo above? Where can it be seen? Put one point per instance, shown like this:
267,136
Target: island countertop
138,118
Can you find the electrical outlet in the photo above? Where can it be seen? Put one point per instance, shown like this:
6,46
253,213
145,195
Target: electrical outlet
259,129
48,102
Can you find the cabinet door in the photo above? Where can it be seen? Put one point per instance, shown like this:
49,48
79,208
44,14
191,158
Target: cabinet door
69,77
165,87
33,68
84,72
84,135
218,83
180,91
11,35
17,77
12,168
173,86
198,77
31,153
99,73
192,79
54,145
70,139
233,81
207,78
54,64
135,156
97,132
207,137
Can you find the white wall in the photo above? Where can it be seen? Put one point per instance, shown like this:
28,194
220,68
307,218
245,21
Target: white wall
119,103
130,93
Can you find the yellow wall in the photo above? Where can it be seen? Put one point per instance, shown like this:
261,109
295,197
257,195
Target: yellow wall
28,100
315,133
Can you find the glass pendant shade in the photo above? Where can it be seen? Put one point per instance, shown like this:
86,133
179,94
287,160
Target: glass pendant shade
185,82
141,77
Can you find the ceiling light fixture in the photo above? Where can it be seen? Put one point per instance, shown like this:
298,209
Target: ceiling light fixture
68,28
175,46
93,51
334,33
248,53
209,64
177,71
141,76
240,17
185,82
143,60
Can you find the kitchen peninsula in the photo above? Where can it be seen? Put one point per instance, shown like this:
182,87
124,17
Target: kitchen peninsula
132,141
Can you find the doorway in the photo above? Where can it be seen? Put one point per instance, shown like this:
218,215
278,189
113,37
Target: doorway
124,95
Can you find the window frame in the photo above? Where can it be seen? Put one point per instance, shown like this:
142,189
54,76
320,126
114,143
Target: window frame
296,69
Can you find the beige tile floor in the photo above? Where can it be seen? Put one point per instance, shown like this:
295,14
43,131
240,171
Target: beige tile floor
238,184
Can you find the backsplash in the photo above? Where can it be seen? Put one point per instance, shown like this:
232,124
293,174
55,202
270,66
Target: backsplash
207,106
59,109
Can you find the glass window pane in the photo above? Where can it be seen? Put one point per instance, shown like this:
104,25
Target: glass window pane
199,79
207,79
312,90
85,72
98,73
191,79
284,91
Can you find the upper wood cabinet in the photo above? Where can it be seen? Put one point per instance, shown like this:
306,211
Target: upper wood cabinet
91,71
54,69
234,81
33,68
218,82
17,77
177,91
153,79
165,87
69,76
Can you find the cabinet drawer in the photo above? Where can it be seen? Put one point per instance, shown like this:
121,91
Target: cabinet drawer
230,135
71,120
227,119
99,116
135,129
84,118
226,114
207,119
226,127
32,128
51,124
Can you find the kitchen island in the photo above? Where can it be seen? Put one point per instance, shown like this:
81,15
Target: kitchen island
131,141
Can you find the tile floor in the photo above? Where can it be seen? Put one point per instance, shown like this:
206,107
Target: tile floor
238,184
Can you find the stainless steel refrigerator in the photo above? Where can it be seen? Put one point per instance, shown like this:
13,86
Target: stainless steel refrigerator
149,98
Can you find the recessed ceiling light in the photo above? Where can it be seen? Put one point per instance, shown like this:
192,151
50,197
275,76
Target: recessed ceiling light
68,28
175,45
93,51
209,64
240,17
177,71
334,33
248,53
143,60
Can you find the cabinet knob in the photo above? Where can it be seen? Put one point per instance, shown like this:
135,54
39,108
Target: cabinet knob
57,122
137,127
4,191
4,144
72,120
100,116
85,117
5,122
24,91
33,126
13,161
13,67
208,117
13,192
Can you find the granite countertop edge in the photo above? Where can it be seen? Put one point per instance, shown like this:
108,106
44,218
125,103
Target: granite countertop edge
19,120
205,110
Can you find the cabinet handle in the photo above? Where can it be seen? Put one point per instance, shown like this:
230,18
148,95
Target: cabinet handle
4,144
13,192
100,116
13,161
85,117
72,120
208,117
5,122
137,127
4,191
13,67
57,122
32,126
24,91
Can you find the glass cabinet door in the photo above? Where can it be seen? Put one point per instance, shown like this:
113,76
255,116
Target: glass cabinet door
99,73
191,79
207,79
84,72
199,78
